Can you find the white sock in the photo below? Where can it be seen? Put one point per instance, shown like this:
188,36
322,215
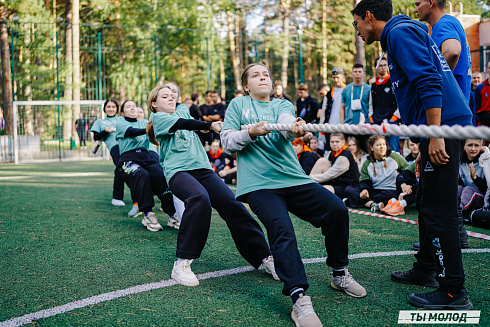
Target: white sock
179,261
403,203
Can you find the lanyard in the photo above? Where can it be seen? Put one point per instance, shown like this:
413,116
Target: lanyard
352,93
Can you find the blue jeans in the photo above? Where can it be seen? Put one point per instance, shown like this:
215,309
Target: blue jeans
312,203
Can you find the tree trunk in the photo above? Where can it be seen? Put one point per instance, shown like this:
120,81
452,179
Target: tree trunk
235,61
7,94
285,4
222,78
76,64
68,92
324,68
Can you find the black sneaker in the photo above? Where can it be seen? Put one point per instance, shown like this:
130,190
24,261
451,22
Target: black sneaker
439,300
414,276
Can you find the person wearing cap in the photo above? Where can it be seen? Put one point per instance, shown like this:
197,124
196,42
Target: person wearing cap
306,105
330,111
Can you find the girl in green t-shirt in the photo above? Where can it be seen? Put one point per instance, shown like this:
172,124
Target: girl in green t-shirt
272,182
139,168
104,130
192,180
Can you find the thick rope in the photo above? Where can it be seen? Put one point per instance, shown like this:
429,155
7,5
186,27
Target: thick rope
449,132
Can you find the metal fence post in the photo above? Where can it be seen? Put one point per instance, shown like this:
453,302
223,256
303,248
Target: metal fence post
300,33
156,58
58,94
207,61
13,65
99,55
256,52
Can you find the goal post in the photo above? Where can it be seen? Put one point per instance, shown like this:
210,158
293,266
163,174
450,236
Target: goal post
47,131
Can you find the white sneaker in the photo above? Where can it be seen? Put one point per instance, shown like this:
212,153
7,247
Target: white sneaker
118,203
173,222
347,284
183,274
151,223
269,268
303,314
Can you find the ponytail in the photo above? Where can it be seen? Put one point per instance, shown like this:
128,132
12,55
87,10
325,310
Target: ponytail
151,133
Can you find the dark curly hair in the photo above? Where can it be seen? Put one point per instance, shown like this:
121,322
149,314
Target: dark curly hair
381,9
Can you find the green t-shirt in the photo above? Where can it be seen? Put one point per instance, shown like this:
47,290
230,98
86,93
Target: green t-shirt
101,124
270,162
180,150
131,143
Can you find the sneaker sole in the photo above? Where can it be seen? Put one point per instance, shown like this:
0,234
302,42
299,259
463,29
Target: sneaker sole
434,284
153,229
468,306
174,277
293,316
172,226
338,288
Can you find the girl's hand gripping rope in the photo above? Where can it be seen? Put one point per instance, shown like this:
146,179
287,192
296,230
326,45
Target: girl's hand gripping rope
296,128
257,130
216,126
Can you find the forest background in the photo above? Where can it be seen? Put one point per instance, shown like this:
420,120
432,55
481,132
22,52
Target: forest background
99,49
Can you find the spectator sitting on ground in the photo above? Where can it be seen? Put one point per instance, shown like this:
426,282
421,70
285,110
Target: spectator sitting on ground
378,177
228,173
414,151
355,149
306,158
313,144
338,170
472,182
406,185
216,156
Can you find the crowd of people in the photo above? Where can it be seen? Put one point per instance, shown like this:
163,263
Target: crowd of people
186,154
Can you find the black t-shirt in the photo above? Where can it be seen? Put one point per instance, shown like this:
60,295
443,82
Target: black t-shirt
195,112
216,109
384,102
307,109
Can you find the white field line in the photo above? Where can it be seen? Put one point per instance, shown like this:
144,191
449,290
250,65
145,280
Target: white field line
54,175
31,317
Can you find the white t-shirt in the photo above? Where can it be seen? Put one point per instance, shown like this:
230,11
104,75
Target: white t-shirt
337,99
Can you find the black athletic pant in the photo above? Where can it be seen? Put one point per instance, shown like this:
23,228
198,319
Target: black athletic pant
118,186
355,201
312,203
144,177
440,247
200,190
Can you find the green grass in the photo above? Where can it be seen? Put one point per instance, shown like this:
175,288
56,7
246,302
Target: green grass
61,240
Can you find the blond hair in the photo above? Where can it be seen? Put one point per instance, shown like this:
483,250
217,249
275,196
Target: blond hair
152,97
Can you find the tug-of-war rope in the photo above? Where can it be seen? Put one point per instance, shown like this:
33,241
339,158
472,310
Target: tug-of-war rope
449,132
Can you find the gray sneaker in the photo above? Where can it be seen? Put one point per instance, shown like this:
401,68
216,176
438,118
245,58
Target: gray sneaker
303,314
151,223
269,268
347,284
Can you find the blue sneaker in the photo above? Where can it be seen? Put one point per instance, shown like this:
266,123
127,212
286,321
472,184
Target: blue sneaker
134,212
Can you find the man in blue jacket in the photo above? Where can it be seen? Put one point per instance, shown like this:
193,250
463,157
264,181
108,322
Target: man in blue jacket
427,94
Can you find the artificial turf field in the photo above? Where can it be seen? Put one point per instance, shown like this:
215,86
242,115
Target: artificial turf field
62,241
